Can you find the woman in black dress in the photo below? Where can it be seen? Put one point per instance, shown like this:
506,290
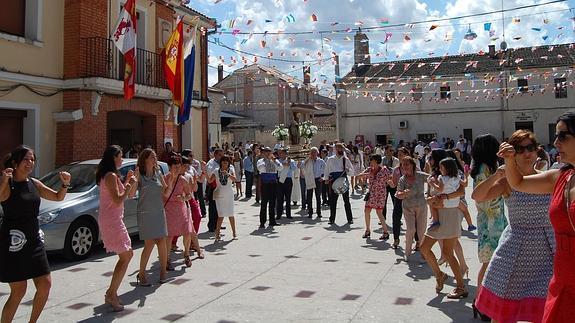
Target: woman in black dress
22,253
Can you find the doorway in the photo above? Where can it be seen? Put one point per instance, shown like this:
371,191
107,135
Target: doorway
381,139
126,129
524,125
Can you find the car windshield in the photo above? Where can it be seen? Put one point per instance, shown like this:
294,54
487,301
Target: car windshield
83,177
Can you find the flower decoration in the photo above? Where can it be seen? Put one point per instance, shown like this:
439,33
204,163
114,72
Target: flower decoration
307,129
280,132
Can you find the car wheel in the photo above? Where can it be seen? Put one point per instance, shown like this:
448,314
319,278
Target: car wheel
80,240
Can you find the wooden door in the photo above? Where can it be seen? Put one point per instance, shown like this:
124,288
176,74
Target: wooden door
11,130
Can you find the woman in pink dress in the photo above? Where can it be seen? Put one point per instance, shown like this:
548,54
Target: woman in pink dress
376,198
178,219
113,193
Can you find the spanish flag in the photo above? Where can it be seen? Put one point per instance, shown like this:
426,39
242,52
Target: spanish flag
173,63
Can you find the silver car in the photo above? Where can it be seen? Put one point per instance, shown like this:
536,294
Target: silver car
71,226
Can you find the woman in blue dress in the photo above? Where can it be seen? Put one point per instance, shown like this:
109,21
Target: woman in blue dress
516,281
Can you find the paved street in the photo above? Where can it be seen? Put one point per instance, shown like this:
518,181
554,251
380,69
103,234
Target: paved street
303,270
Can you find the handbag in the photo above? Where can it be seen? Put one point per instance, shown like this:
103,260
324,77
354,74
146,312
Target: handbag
366,198
341,184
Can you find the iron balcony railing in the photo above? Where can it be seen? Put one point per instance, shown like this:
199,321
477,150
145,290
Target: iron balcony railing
103,59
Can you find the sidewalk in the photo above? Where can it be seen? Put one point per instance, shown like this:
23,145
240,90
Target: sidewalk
303,270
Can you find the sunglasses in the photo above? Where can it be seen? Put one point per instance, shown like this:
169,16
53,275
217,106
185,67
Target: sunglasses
562,135
521,149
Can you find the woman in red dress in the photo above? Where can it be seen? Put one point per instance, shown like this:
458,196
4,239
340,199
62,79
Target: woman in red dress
376,198
561,212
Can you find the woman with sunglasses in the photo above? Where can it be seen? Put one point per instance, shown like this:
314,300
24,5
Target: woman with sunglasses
559,183
519,272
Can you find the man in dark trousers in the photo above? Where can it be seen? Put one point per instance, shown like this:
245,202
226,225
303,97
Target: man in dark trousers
212,165
268,168
285,184
337,166
249,172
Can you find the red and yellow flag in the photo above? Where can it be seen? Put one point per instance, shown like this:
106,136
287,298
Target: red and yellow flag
124,38
173,63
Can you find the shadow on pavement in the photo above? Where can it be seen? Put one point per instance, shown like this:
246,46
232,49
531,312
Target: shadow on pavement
59,262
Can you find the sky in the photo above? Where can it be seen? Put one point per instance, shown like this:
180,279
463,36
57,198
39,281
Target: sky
337,21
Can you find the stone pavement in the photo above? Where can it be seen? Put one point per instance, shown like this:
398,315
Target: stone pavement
301,271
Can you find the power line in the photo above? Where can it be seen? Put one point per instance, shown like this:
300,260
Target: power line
394,25
266,57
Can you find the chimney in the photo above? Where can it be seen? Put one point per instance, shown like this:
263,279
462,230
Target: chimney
220,73
361,49
306,74
492,51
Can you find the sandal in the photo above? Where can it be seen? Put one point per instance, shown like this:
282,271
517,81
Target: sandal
170,267
366,235
384,236
200,254
458,293
395,243
188,261
439,282
114,302
142,281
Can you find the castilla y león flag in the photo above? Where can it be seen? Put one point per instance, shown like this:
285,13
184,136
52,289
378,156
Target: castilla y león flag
124,38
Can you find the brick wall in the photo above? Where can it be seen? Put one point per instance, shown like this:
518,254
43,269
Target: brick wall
82,19
87,138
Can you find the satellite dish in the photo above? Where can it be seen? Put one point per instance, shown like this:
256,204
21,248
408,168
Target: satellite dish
503,45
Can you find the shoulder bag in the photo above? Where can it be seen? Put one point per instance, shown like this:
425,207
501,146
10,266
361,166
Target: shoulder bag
341,184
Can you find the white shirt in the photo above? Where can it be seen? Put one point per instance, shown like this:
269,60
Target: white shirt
335,164
420,150
450,185
262,166
461,146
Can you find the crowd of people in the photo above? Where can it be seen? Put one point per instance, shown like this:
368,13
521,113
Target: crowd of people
526,257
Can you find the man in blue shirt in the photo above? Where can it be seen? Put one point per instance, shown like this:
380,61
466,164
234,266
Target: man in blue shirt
249,172
285,184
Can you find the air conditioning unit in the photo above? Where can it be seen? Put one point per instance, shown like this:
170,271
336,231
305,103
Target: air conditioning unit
403,124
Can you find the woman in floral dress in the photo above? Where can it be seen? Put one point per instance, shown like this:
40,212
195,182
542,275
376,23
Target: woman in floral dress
491,220
378,177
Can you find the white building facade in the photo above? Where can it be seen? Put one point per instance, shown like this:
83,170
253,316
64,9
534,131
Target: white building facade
470,95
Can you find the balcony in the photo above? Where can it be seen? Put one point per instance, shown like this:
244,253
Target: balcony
102,59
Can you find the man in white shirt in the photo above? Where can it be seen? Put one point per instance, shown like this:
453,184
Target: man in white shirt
285,184
268,168
434,144
419,149
461,146
337,166
314,168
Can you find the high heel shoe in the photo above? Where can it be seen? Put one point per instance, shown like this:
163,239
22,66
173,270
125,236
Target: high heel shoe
114,302
143,282
201,254
476,312
385,236
188,261
366,235
458,293
439,282
465,272
395,243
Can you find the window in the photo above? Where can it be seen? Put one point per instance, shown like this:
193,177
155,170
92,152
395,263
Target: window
21,18
230,96
445,92
389,96
417,93
13,17
561,88
522,85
